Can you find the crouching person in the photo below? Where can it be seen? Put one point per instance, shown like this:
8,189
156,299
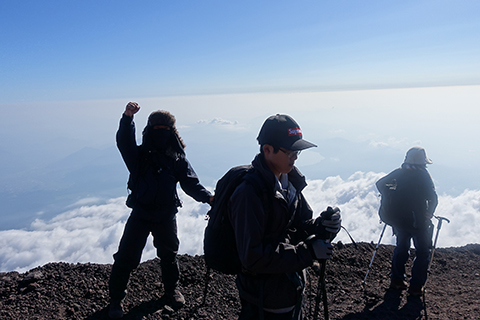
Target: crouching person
155,168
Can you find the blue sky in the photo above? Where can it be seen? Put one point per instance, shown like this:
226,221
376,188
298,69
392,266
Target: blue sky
366,80
84,50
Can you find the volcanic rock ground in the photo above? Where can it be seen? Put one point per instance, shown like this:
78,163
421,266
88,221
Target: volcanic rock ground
79,291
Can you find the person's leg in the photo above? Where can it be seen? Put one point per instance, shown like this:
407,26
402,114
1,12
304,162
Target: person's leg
278,316
127,257
249,311
166,241
400,255
422,241
252,311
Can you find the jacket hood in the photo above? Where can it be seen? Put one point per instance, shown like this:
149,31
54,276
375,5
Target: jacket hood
175,146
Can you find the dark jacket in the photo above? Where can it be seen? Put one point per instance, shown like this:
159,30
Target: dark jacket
154,176
408,193
268,235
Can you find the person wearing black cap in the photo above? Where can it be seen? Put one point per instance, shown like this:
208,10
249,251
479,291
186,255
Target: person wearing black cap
155,168
409,197
272,223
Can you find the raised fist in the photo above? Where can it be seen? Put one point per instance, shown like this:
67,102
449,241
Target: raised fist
131,109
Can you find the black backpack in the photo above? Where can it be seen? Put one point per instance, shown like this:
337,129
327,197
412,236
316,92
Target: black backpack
388,212
400,202
220,249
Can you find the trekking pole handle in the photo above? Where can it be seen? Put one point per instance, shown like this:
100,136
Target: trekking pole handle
439,226
440,220
327,214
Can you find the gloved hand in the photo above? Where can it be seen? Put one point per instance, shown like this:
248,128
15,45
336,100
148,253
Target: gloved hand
321,249
326,226
331,220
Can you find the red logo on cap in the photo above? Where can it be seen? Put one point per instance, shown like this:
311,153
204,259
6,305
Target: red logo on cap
294,132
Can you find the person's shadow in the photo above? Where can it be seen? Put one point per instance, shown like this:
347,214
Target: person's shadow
389,308
138,312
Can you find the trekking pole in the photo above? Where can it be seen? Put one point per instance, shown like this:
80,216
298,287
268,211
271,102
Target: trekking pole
322,288
439,226
323,266
205,290
374,252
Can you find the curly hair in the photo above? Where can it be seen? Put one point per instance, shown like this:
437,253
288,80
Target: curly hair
165,118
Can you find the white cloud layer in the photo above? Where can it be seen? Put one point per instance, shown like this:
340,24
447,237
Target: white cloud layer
91,233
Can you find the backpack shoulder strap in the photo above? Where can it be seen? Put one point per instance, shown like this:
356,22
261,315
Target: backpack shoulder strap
260,188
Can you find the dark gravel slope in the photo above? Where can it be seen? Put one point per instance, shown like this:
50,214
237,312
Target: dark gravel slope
79,291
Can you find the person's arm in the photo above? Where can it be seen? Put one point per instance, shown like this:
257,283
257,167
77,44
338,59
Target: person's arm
125,137
257,254
431,197
190,183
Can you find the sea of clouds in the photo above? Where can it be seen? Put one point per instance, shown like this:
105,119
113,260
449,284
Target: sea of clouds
91,233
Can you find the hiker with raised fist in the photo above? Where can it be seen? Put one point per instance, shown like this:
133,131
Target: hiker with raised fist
155,167
271,222
408,203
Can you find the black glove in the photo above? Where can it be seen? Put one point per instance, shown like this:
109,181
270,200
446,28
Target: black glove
332,220
321,249
328,224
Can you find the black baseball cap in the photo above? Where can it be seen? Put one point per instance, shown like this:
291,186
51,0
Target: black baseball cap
282,131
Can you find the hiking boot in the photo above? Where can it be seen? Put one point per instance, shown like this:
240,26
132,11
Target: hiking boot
415,291
115,310
175,298
398,284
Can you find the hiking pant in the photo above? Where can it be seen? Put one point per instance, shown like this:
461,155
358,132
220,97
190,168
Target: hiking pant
130,250
251,311
422,240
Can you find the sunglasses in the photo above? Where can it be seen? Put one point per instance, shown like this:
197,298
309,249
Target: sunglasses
291,154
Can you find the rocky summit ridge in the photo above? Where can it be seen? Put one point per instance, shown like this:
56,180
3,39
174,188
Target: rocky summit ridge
80,291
